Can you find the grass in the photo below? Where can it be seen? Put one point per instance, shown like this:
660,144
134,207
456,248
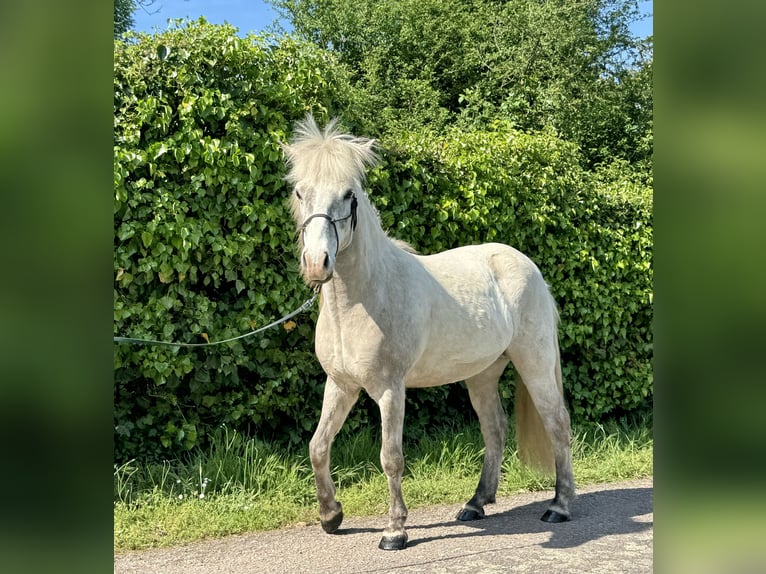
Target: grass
240,484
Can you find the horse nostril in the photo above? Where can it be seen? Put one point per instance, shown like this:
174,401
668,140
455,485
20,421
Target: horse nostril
303,260
326,262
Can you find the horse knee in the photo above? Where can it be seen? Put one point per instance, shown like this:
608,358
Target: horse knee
392,463
318,451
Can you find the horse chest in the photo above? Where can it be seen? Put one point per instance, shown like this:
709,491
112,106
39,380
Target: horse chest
360,349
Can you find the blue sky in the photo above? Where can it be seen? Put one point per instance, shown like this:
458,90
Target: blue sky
247,15
254,15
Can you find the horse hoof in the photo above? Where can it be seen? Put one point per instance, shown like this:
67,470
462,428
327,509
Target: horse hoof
553,516
333,524
468,514
398,542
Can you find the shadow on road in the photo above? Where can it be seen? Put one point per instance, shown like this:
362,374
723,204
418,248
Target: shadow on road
348,531
594,515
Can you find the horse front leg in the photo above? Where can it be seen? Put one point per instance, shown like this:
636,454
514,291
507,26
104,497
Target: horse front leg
391,404
336,405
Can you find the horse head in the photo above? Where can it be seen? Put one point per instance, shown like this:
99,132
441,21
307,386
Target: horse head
327,170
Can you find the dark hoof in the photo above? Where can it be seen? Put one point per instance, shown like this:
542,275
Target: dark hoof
333,524
393,543
553,516
468,514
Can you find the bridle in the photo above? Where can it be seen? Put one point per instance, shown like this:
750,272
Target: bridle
332,221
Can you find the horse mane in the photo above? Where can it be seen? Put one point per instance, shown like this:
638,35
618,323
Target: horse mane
327,155
403,245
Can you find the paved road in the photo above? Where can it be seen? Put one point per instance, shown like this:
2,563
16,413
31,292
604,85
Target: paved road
611,532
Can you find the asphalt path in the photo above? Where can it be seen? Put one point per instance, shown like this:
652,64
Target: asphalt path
610,532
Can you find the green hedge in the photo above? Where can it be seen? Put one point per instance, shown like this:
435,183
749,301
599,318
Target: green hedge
204,243
203,237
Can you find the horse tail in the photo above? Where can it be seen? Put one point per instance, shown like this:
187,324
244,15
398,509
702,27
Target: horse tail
533,443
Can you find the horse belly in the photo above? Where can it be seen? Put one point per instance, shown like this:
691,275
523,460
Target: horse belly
471,322
449,359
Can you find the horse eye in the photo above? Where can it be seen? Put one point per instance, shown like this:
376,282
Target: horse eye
298,195
348,194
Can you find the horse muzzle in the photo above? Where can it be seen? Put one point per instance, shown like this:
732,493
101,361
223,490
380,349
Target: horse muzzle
317,269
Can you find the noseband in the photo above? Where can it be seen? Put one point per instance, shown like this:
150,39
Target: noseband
332,221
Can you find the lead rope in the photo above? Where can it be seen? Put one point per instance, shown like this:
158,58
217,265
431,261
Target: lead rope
299,310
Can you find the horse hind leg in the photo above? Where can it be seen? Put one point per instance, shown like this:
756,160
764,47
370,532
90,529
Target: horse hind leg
543,425
482,390
336,405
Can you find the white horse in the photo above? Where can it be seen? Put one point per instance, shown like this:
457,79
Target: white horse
391,319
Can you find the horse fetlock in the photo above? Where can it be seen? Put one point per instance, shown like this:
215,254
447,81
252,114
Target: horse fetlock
565,491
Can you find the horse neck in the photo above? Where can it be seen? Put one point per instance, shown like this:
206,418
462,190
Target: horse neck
361,268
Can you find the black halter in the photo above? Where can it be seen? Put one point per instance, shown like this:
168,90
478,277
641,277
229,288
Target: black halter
332,221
